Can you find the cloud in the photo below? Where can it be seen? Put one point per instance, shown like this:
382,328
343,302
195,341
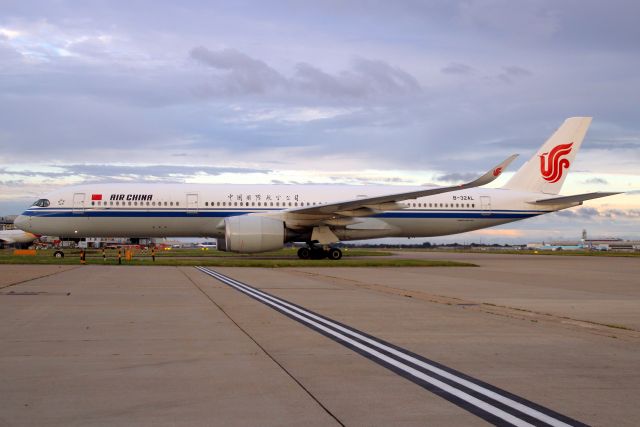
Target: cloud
621,213
458,68
240,74
381,78
457,177
110,172
499,232
524,22
602,213
244,75
513,72
583,212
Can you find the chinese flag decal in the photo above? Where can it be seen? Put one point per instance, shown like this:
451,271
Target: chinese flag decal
96,197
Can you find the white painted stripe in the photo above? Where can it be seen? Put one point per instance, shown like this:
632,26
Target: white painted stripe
267,299
482,390
471,385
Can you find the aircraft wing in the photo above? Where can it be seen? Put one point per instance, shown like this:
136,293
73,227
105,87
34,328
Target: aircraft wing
370,205
578,198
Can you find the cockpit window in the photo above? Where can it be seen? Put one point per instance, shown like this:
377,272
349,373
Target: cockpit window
42,203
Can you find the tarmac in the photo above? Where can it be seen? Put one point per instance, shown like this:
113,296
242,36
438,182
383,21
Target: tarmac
116,345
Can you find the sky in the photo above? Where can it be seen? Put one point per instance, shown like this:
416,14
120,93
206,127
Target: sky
355,92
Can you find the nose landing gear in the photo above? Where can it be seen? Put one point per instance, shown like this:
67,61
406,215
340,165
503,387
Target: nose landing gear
319,252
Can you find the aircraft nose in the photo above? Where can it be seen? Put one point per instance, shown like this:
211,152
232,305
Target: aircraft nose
22,222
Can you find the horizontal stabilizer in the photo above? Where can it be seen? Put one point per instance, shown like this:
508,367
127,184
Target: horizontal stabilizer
578,198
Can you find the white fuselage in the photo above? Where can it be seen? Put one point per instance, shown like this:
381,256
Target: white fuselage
191,210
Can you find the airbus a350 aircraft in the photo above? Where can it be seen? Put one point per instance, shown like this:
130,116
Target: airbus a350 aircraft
258,218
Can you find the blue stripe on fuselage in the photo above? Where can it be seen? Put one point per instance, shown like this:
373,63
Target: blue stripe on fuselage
124,213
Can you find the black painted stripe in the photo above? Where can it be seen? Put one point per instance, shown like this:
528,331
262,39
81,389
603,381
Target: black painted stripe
484,400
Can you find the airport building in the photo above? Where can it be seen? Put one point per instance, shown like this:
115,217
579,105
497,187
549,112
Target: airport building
598,244
6,222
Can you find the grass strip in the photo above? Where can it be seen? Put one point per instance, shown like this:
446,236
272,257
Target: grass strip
566,252
242,262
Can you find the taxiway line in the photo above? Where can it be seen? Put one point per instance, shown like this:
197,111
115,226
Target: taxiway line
488,402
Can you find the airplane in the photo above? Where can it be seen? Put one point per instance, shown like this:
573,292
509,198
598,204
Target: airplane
260,218
18,238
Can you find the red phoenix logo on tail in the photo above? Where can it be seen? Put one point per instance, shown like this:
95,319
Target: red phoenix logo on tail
551,167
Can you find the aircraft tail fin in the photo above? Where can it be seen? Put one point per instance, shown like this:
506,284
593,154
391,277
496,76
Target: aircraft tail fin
546,171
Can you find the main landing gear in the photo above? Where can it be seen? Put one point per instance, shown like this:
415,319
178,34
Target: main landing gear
319,252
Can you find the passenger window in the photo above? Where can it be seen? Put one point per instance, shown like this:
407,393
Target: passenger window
206,203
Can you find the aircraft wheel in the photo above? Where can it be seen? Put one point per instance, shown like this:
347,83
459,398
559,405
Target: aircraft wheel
304,253
334,254
318,253
58,254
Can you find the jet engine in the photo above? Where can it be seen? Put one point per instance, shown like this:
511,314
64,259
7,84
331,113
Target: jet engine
250,234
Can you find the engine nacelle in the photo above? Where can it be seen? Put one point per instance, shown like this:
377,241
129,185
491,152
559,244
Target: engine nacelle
221,244
250,234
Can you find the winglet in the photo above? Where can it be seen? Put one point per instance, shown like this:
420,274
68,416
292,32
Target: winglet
492,174
335,208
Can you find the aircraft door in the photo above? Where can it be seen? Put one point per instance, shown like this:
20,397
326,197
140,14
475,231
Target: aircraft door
78,203
485,205
192,203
